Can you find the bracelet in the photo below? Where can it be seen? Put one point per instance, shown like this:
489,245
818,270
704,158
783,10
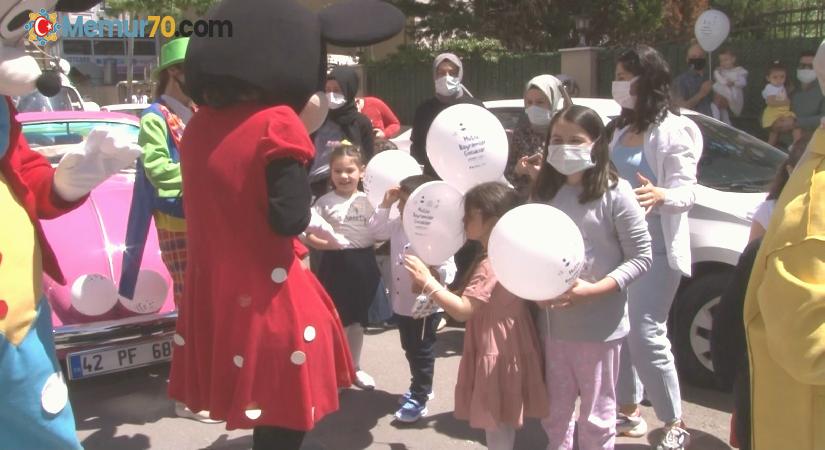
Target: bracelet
424,289
435,291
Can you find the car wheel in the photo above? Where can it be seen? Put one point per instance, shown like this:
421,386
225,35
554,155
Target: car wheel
692,326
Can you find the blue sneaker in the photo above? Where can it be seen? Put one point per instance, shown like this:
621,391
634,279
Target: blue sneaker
408,395
411,412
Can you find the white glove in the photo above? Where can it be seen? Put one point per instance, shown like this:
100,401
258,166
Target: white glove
323,230
105,153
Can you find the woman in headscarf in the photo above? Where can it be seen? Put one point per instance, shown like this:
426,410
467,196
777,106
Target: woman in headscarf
542,98
343,122
448,73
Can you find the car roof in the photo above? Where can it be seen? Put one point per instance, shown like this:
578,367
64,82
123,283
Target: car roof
606,107
54,116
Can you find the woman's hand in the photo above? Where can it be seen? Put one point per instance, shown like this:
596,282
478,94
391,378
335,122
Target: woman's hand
419,272
581,290
648,196
529,165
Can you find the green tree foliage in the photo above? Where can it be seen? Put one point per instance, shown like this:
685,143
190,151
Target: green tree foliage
179,9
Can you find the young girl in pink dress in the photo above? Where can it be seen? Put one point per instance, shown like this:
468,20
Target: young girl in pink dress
500,378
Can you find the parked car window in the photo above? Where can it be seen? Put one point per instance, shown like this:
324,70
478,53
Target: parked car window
54,139
509,117
734,161
37,102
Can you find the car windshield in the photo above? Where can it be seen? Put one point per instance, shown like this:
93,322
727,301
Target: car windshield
54,139
735,161
37,102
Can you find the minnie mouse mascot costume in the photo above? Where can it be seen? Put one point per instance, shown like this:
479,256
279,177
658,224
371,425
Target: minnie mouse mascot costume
34,408
258,341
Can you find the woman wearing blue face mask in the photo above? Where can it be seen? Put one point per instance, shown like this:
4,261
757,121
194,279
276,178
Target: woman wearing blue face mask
542,98
582,330
657,151
448,73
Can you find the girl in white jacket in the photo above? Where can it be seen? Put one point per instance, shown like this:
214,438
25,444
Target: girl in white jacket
657,152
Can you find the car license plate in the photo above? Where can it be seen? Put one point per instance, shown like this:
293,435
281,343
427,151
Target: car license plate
113,359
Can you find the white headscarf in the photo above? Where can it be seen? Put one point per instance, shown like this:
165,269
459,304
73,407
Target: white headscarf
551,86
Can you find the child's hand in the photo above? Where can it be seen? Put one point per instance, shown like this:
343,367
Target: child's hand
390,197
419,272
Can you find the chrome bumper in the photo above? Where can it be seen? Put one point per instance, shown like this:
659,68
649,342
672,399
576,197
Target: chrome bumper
72,338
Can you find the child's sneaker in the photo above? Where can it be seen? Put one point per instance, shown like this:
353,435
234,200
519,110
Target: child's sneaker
630,426
676,437
411,412
364,381
408,395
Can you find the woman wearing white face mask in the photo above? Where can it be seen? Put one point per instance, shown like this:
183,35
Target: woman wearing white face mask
656,151
582,330
448,72
343,122
542,98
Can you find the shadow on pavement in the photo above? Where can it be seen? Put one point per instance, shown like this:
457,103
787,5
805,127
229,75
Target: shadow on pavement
450,343
709,398
104,403
350,427
224,443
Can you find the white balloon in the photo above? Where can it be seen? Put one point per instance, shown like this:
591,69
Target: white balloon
385,171
712,29
536,252
434,221
93,294
467,145
151,291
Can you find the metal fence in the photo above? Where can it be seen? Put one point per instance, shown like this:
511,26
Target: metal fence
403,88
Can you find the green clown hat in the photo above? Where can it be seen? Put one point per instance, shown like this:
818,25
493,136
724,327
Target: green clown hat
173,52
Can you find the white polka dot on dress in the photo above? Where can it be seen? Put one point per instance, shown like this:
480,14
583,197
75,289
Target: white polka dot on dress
238,360
298,357
55,395
178,339
279,275
309,333
253,414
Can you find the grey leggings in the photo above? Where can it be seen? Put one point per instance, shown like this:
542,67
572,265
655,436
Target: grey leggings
646,357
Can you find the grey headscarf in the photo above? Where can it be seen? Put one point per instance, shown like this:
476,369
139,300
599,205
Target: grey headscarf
453,59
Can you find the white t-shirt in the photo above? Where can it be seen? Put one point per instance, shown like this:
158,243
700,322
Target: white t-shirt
771,90
349,217
762,213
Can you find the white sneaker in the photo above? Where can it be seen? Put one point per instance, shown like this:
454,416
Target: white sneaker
675,438
364,381
630,426
203,416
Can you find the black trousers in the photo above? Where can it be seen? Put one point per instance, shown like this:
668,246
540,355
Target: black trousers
276,438
419,352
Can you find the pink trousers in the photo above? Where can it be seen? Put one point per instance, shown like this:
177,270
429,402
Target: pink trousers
589,369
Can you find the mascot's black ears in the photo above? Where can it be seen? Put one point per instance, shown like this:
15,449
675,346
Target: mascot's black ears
48,83
357,23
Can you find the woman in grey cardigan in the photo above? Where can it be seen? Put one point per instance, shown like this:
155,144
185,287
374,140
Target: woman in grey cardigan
657,152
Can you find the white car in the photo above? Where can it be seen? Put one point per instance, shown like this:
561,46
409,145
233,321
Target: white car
735,172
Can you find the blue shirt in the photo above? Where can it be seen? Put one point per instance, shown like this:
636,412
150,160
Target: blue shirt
688,84
629,161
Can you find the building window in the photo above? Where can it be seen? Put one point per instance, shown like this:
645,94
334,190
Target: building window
145,48
112,47
77,47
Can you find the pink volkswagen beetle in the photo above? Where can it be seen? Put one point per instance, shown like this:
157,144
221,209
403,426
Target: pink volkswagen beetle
96,330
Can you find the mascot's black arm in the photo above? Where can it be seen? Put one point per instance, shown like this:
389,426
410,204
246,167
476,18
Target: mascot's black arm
287,185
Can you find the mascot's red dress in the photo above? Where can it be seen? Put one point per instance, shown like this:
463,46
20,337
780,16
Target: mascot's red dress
258,340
